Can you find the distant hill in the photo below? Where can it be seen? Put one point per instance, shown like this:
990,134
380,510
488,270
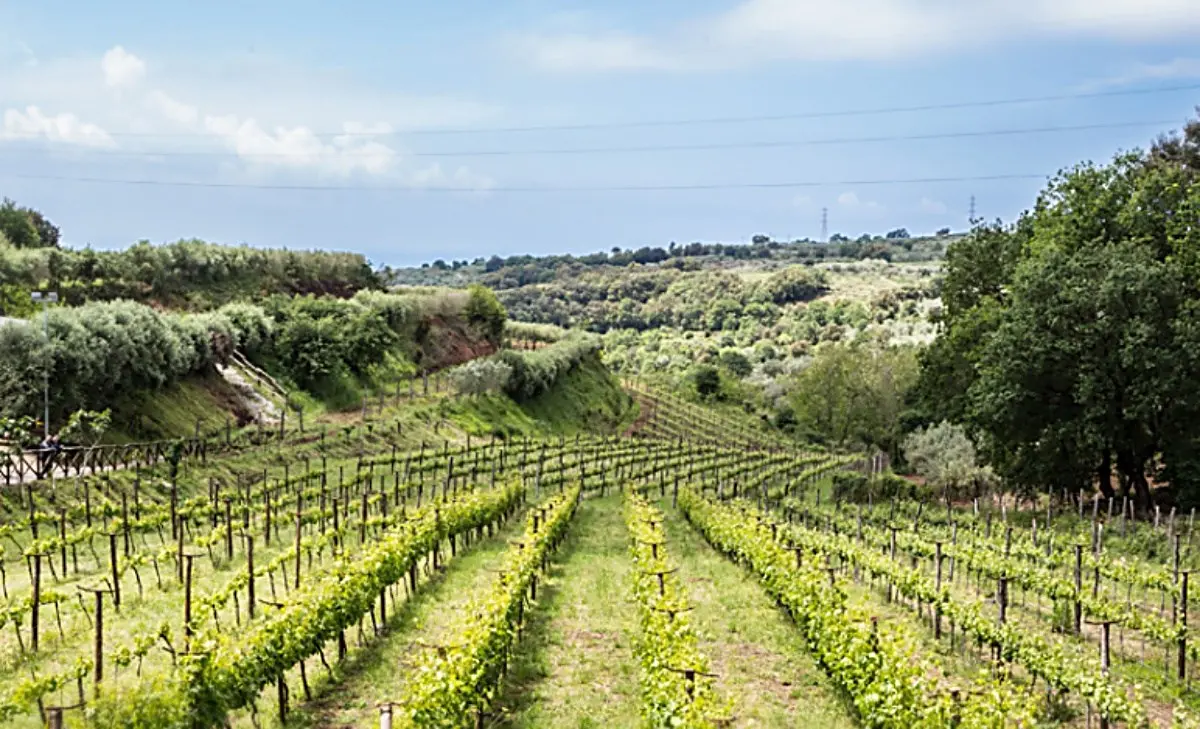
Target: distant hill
521,270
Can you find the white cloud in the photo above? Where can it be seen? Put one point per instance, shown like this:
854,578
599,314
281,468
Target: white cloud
834,30
174,110
763,30
1126,20
122,68
851,201
247,116
33,124
933,207
1179,68
599,52
300,147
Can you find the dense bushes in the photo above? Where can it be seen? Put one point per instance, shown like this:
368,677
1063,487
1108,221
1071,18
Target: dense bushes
797,283
98,351
485,312
481,376
534,372
319,338
520,330
854,487
191,274
25,227
322,339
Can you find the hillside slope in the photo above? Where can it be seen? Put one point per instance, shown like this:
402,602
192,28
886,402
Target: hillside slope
588,399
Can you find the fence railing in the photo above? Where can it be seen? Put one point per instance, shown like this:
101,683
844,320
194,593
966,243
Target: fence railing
38,464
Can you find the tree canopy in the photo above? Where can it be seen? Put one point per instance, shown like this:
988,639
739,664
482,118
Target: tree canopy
1071,340
855,393
25,228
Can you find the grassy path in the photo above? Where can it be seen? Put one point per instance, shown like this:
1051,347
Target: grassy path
756,652
378,672
575,668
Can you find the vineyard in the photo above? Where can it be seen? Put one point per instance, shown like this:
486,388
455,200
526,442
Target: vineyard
690,572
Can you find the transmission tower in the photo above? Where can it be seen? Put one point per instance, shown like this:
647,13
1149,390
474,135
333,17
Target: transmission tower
824,225
971,218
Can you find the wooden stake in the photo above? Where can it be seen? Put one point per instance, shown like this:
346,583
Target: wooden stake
35,608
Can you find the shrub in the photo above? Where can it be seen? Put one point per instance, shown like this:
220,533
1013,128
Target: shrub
402,312
944,455
534,332
252,327
98,352
854,487
736,362
485,312
797,283
534,372
481,376
311,349
707,381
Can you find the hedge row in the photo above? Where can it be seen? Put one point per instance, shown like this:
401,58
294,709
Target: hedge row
99,351
536,371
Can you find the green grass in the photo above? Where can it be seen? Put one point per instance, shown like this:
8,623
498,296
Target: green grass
575,668
588,399
172,412
757,654
491,415
863,282
378,672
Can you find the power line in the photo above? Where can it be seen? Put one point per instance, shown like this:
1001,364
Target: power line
525,189
987,103
643,149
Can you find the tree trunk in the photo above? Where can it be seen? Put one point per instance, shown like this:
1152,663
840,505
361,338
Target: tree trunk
1133,470
1105,476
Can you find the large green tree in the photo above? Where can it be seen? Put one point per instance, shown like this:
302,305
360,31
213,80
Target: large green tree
18,225
854,394
1089,371
1070,337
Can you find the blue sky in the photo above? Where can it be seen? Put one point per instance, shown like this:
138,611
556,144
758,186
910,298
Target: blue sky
387,128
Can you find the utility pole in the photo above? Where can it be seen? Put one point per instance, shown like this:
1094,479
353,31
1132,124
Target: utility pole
45,298
824,225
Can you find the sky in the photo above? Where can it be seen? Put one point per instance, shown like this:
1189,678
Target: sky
411,131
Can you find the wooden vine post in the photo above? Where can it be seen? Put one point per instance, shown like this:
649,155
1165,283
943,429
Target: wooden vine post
937,585
98,626
1182,623
229,528
250,573
1105,656
299,524
37,600
189,558
1078,588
